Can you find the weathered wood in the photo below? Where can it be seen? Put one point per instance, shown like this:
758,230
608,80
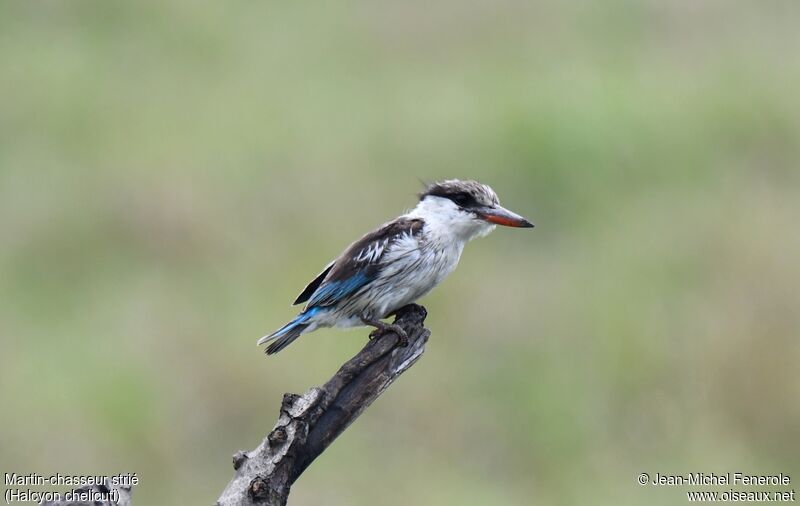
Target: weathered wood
310,422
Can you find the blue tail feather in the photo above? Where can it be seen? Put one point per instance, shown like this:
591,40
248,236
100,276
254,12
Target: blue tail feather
289,332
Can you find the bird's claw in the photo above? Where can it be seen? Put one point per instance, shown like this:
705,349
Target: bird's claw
402,337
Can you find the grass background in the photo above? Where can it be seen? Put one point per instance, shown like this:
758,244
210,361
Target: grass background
173,173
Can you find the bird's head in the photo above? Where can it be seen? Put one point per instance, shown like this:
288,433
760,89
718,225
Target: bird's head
468,208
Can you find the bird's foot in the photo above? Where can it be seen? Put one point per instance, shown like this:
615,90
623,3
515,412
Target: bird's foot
381,329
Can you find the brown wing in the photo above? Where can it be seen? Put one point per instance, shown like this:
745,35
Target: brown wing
358,265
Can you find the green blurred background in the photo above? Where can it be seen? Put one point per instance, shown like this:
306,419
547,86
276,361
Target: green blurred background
173,173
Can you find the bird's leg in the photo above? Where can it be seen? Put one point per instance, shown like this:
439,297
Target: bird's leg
382,328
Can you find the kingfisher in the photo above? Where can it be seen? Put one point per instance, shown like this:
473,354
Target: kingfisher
398,262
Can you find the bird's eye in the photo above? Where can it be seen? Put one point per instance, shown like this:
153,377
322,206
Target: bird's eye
461,199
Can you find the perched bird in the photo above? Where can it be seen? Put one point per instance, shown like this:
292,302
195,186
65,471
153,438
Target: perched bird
398,263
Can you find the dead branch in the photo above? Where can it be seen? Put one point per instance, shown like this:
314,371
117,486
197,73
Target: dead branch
310,422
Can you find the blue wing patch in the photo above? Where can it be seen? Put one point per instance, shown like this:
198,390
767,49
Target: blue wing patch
334,291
